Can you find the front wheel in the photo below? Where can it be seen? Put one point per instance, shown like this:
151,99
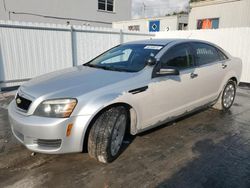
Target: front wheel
227,96
107,134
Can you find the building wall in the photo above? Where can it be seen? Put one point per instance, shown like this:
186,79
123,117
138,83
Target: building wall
81,11
124,25
167,23
231,13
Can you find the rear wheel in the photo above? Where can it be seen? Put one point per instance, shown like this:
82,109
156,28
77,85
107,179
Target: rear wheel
107,134
227,96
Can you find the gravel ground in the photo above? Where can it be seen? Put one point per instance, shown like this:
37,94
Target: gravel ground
207,149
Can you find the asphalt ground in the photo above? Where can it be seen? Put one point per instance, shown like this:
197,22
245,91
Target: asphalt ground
207,149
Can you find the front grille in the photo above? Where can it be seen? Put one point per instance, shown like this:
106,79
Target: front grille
23,103
48,143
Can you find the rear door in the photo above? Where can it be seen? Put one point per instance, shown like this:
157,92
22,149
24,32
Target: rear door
211,70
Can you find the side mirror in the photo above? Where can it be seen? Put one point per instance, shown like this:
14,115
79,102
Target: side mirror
151,61
168,71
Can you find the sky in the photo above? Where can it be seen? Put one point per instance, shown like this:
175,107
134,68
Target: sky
157,7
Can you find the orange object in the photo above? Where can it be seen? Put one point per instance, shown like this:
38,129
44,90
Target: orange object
70,126
70,108
207,24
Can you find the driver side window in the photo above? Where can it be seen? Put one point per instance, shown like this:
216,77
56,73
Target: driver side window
179,57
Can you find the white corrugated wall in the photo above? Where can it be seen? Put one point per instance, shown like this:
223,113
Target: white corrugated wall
94,41
29,52
234,40
31,49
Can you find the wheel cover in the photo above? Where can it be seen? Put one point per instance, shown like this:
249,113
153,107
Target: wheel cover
228,95
118,134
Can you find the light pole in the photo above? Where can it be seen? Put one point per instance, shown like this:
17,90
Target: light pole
144,10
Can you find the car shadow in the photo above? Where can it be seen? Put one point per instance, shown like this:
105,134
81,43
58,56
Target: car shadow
127,141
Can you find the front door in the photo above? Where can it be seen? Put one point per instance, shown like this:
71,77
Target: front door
173,95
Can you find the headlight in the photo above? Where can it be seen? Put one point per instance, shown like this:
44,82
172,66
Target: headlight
58,108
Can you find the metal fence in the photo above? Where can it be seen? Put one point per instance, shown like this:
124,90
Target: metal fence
31,49
234,40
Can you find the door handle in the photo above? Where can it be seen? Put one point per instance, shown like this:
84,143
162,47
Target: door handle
193,75
224,66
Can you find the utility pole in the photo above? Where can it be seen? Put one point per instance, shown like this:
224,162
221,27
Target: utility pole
144,10
5,9
4,5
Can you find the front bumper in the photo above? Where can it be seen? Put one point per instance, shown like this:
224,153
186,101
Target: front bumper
48,135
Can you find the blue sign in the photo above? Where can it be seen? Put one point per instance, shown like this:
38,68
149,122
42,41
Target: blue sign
154,26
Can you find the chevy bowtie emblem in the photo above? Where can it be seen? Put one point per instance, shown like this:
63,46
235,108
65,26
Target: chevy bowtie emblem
18,101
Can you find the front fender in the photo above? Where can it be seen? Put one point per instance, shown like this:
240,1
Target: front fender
95,105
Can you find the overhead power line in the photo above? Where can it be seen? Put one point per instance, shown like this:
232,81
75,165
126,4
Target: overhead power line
60,18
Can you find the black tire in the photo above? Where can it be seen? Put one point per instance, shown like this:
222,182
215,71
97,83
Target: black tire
100,136
221,104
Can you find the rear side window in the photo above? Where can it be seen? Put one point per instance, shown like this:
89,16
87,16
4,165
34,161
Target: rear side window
222,55
179,56
205,53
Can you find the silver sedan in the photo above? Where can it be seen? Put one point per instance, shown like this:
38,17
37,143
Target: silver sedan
130,88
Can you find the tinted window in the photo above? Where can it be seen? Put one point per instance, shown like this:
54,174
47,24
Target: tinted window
179,57
222,55
205,53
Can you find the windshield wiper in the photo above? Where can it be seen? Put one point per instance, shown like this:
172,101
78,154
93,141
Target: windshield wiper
119,69
111,68
94,66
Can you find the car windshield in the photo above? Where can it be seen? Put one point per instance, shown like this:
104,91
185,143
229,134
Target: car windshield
125,58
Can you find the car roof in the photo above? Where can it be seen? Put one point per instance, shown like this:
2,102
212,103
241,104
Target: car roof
152,41
164,42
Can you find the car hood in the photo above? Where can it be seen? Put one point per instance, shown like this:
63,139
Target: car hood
72,82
